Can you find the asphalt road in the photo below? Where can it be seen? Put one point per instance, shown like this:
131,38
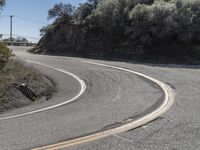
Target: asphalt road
111,96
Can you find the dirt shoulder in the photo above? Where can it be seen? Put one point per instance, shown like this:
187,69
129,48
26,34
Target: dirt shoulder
13,76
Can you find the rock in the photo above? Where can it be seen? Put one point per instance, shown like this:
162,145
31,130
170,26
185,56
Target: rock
27,92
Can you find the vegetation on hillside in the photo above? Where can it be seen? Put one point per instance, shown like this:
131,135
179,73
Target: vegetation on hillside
20,85
18,39
5,54
14,74
167,30
2,3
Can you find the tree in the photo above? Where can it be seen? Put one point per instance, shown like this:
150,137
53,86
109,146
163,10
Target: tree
45,29
83,12
5,54
61,10
126,27
94,2
1,35
111,18
2,3
21,40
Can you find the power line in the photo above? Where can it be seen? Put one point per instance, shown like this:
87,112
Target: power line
32,20
27,19
23,18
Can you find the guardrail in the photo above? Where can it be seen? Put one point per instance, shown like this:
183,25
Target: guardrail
18,43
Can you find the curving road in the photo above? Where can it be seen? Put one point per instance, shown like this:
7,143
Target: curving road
112,98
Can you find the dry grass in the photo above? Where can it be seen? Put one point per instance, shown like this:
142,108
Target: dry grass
15,72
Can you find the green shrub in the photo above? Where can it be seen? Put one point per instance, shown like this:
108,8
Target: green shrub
135,27
5,54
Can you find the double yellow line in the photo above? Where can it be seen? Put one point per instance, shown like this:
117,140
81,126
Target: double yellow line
167,103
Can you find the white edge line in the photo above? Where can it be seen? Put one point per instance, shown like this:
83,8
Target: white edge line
166,105
83,88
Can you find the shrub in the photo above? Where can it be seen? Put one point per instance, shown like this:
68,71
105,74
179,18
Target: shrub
152,24
128,27
5,54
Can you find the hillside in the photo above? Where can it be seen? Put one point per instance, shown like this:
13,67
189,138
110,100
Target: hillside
145,30
12,92
19,84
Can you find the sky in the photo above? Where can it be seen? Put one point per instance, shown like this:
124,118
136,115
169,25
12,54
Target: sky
26,11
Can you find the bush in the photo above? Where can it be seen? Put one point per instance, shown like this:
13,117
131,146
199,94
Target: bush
127,27
152,24
5,54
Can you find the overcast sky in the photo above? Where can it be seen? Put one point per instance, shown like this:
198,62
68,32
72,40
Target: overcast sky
28,9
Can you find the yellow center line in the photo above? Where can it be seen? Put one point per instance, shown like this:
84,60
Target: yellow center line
167,103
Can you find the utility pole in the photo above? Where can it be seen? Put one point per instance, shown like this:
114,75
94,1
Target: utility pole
11,18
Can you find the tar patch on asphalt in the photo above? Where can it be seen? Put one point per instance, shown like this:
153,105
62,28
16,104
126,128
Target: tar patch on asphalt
170,85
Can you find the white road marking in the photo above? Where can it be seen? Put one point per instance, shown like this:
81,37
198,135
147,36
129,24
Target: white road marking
124,139
166,105
83,88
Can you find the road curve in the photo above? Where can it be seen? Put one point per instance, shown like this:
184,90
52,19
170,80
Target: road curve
168,100
82,90
114,96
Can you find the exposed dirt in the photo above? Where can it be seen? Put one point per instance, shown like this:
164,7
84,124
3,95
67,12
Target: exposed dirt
10,95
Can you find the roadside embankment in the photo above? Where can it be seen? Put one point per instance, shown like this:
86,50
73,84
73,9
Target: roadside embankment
21,86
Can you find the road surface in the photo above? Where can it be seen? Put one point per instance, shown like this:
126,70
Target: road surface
112,97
